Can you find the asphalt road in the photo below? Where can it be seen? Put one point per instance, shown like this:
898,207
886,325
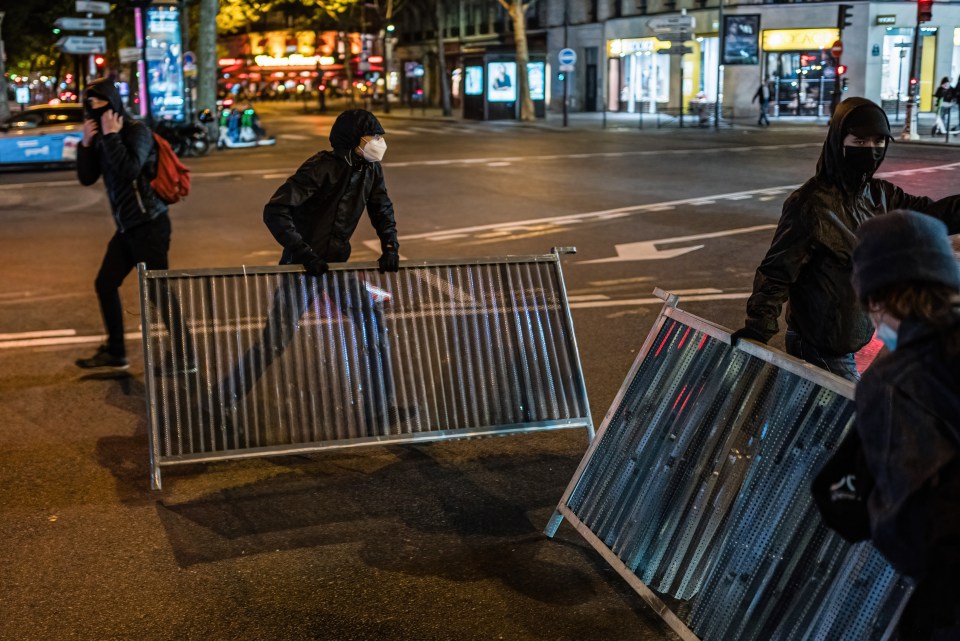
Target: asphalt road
423,542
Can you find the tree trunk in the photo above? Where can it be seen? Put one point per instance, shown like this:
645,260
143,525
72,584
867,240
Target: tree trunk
207,56
4,102
518,11
442,60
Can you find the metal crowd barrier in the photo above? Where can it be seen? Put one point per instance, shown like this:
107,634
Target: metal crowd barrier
697,488
264,361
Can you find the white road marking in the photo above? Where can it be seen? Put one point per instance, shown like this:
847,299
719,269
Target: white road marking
586,297
634,302
66,340
50,333
295,137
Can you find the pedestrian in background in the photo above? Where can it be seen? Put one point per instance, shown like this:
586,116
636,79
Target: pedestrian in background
763,95
945,98
908,411
121,151
808,265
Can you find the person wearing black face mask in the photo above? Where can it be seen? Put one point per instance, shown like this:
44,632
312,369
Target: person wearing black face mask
808,265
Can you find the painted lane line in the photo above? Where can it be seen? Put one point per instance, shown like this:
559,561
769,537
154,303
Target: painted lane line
64,341
636,302
587,297
51,333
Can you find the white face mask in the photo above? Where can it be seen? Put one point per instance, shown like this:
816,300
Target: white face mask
374,148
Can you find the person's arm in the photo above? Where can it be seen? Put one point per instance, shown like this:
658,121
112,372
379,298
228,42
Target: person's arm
88,160
380,210
126,152
278,212
946,209
791,249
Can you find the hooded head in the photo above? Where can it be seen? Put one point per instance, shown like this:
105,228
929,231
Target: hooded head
850,166
350,127
902,247
104,89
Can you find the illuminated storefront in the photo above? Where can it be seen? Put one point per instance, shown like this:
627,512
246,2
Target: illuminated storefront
895,74
801,70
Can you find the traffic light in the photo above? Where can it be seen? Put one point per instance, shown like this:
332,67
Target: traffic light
845,15
99,61
924,10
841,69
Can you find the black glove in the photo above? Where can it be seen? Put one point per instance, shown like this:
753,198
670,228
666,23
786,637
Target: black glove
315,266
749,334
389,261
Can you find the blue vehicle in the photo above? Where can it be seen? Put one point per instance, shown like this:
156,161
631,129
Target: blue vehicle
42,135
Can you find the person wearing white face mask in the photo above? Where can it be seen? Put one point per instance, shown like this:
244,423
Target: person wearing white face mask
906,276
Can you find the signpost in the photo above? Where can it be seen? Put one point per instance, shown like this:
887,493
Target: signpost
82,44
667,24
129,54
568,60
89,6
80,24
837,49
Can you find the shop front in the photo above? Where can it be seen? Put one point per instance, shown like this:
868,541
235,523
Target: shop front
801,70
895,74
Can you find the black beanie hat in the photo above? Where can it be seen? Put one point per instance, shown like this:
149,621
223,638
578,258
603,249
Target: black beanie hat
351,126
867,121
900,247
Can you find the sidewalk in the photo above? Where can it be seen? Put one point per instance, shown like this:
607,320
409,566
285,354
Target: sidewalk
599,120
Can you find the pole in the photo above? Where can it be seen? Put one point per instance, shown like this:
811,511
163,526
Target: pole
716,101
909,131
680,58
4,104
566,81
606,71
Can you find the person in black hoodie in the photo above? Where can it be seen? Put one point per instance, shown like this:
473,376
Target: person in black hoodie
313,215
808,265
121,152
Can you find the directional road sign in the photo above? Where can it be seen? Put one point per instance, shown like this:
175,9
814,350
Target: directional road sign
675,50
129,54
675,36
82,44
80,24
672,23
567,57
837,49
89,6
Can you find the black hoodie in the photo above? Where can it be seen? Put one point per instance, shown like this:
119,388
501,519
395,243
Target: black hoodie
809,263
317,209
126,161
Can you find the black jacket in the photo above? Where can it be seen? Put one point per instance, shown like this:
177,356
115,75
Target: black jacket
318,208
908,419
809,260
127,163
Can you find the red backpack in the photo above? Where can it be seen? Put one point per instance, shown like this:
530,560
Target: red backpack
173,177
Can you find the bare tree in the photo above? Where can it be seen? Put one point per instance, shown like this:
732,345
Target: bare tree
207,56
517,9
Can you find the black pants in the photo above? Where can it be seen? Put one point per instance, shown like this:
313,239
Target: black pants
843,366
148,243
763,119
933,611
290,302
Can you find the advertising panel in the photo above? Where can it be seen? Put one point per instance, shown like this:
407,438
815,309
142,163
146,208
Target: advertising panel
501,81
741,40
164,63
473,85
536,75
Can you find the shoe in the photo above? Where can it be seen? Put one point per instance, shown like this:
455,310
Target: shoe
103,359
167,367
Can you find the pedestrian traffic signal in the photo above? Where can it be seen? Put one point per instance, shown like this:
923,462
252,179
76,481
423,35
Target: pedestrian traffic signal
99,61
924,10
841,69
845,15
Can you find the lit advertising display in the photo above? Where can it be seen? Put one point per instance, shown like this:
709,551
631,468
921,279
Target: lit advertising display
164,63
501,81
473,85
536,75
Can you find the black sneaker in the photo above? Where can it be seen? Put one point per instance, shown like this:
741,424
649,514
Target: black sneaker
168,368
103,359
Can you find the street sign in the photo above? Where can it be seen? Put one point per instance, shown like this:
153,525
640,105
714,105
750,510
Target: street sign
837,49
89,6
129,54
82,44
189,58
567,57
672,23
675,50
675,36
80,24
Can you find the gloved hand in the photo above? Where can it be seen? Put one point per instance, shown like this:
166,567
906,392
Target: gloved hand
315,266
749,334
389,261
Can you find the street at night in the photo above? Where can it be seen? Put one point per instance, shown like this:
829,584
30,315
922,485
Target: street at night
426,542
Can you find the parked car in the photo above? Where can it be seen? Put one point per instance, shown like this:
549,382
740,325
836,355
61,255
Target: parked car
42,135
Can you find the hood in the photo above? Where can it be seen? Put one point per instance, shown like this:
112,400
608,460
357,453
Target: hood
105,90
350,127
831,163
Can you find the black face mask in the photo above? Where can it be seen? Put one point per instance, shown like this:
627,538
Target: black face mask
94,114
860,161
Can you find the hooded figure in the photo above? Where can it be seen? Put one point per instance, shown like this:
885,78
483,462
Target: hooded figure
315,212
808,265
121,151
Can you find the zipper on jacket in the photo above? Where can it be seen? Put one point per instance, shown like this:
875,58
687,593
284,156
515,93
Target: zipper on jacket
136,192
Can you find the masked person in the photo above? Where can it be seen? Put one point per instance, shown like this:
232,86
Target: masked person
313,215
808,263
908,412
121,152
